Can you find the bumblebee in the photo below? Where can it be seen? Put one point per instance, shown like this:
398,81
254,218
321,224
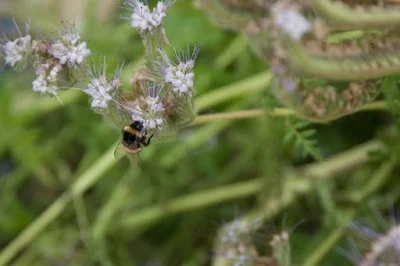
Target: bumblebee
134,136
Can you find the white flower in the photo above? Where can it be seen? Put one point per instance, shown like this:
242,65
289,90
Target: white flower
100,88
69,50
291,22
149,109
154,104
18,50
142,18
54,72
46,80
150,113
180,75
15,51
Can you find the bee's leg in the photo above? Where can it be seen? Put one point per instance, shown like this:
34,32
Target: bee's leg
146,143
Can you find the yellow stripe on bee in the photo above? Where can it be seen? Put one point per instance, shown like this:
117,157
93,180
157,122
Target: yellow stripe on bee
131,130
132,151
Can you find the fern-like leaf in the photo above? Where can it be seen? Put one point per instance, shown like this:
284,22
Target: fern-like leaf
301,135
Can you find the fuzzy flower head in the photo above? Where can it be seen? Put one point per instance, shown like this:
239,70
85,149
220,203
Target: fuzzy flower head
150,109
372,246
16,52
69,49
46,80
145,20
179,74
100,88
235,241
291,22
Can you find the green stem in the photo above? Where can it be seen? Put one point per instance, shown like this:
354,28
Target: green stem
225,17
377,180
326,246
190,202
338,164
342,162
202,119
374,183
349,68
119,196
243,87
278,112
231,52
342,14
84,182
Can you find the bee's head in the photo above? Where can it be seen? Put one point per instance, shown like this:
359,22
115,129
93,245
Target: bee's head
137,125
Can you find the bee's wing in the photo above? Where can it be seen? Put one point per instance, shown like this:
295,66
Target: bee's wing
119,152
116,115
133,158
168,132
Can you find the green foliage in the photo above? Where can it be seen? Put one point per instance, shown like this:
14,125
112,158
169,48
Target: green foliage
302,136
64,199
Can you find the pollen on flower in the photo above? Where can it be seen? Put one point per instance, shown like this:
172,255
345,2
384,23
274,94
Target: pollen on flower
179,74
18,50
69,50
145,20
291,22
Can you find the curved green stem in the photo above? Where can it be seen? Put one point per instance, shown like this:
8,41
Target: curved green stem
347,68
339,13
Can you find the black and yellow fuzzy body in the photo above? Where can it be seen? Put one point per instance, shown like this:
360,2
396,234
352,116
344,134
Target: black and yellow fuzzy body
133,137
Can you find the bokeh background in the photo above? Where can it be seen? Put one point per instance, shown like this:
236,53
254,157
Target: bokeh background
107,212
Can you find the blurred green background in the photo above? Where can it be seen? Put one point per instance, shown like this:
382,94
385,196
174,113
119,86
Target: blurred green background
106,212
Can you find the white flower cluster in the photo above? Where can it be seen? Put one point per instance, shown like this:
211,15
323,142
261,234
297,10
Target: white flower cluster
69,50
150,110
46,79
100,88
142,18
291,22
180,74
47,57
17,50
